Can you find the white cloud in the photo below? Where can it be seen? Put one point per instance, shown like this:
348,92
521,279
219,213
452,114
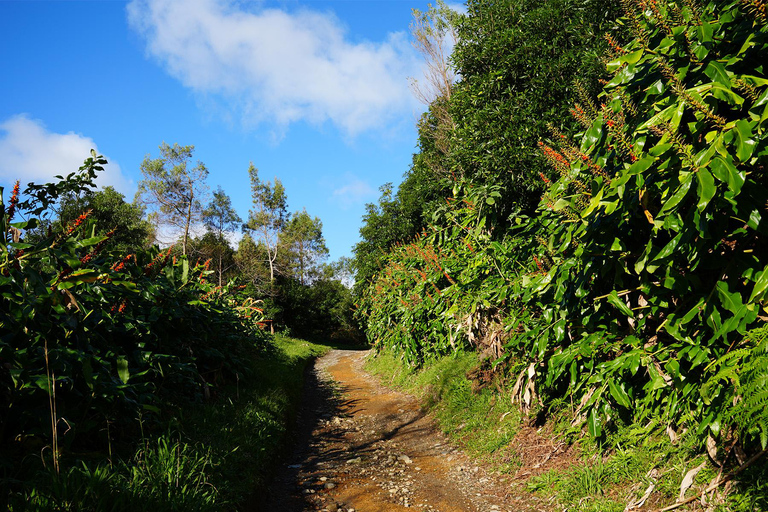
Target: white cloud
29,152
354,192
279,67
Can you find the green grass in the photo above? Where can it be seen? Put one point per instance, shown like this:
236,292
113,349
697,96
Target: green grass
212,456
245,430
481,423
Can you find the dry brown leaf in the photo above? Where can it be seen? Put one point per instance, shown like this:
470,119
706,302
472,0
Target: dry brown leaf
740,455
652,474
672,434
688,480
69,301
712,450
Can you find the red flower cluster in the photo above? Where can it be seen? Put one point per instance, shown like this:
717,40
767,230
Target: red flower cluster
159,261
120,265
616,47
14,201
88,257
78,222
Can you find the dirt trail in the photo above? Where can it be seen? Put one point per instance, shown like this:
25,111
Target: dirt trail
361,446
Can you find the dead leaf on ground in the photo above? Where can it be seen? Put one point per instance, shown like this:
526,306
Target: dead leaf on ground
688,480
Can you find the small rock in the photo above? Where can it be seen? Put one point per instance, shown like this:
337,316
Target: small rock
356,460
329,485
405,459
323,478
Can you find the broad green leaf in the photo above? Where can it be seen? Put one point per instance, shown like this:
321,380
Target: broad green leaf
706,189
730,300
680,193
593,424
90,241
614,299
618,394
745,144
716,71
669,248
725,171
641,165
630,58
122,369
761,285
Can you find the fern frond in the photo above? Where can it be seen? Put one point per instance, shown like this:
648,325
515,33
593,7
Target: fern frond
750,414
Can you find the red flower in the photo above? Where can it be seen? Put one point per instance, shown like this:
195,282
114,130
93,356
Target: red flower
14,201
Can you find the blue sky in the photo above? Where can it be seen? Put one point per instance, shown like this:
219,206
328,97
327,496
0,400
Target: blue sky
314,93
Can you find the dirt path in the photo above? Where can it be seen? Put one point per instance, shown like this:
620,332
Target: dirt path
363,447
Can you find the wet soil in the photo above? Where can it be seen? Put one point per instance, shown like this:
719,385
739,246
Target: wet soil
360,446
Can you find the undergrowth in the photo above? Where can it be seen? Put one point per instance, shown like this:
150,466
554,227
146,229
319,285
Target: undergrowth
213,456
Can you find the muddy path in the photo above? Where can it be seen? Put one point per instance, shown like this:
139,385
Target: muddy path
359,446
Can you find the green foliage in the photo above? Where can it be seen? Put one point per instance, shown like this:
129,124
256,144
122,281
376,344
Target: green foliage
267,219
110,212
165,476
302,239
517,60
446,288
653,235
642,271
746,370
92,342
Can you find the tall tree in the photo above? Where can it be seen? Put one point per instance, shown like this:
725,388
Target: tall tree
220,218
517,60
267,217
433,35
172,189
303,239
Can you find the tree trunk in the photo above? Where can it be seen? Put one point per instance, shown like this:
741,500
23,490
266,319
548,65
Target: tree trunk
188,222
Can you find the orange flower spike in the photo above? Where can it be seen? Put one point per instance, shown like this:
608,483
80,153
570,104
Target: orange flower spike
14,201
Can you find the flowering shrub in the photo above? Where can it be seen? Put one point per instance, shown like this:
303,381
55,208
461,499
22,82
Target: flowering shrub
93,344
636,285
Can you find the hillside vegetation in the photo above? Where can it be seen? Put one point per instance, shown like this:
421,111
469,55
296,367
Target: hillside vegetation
597,186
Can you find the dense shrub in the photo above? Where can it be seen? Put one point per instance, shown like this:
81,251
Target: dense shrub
95,345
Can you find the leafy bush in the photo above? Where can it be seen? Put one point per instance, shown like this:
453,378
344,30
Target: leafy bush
644,264
94,345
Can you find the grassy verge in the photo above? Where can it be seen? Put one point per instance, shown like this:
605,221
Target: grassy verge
594,477
211,456
244,430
